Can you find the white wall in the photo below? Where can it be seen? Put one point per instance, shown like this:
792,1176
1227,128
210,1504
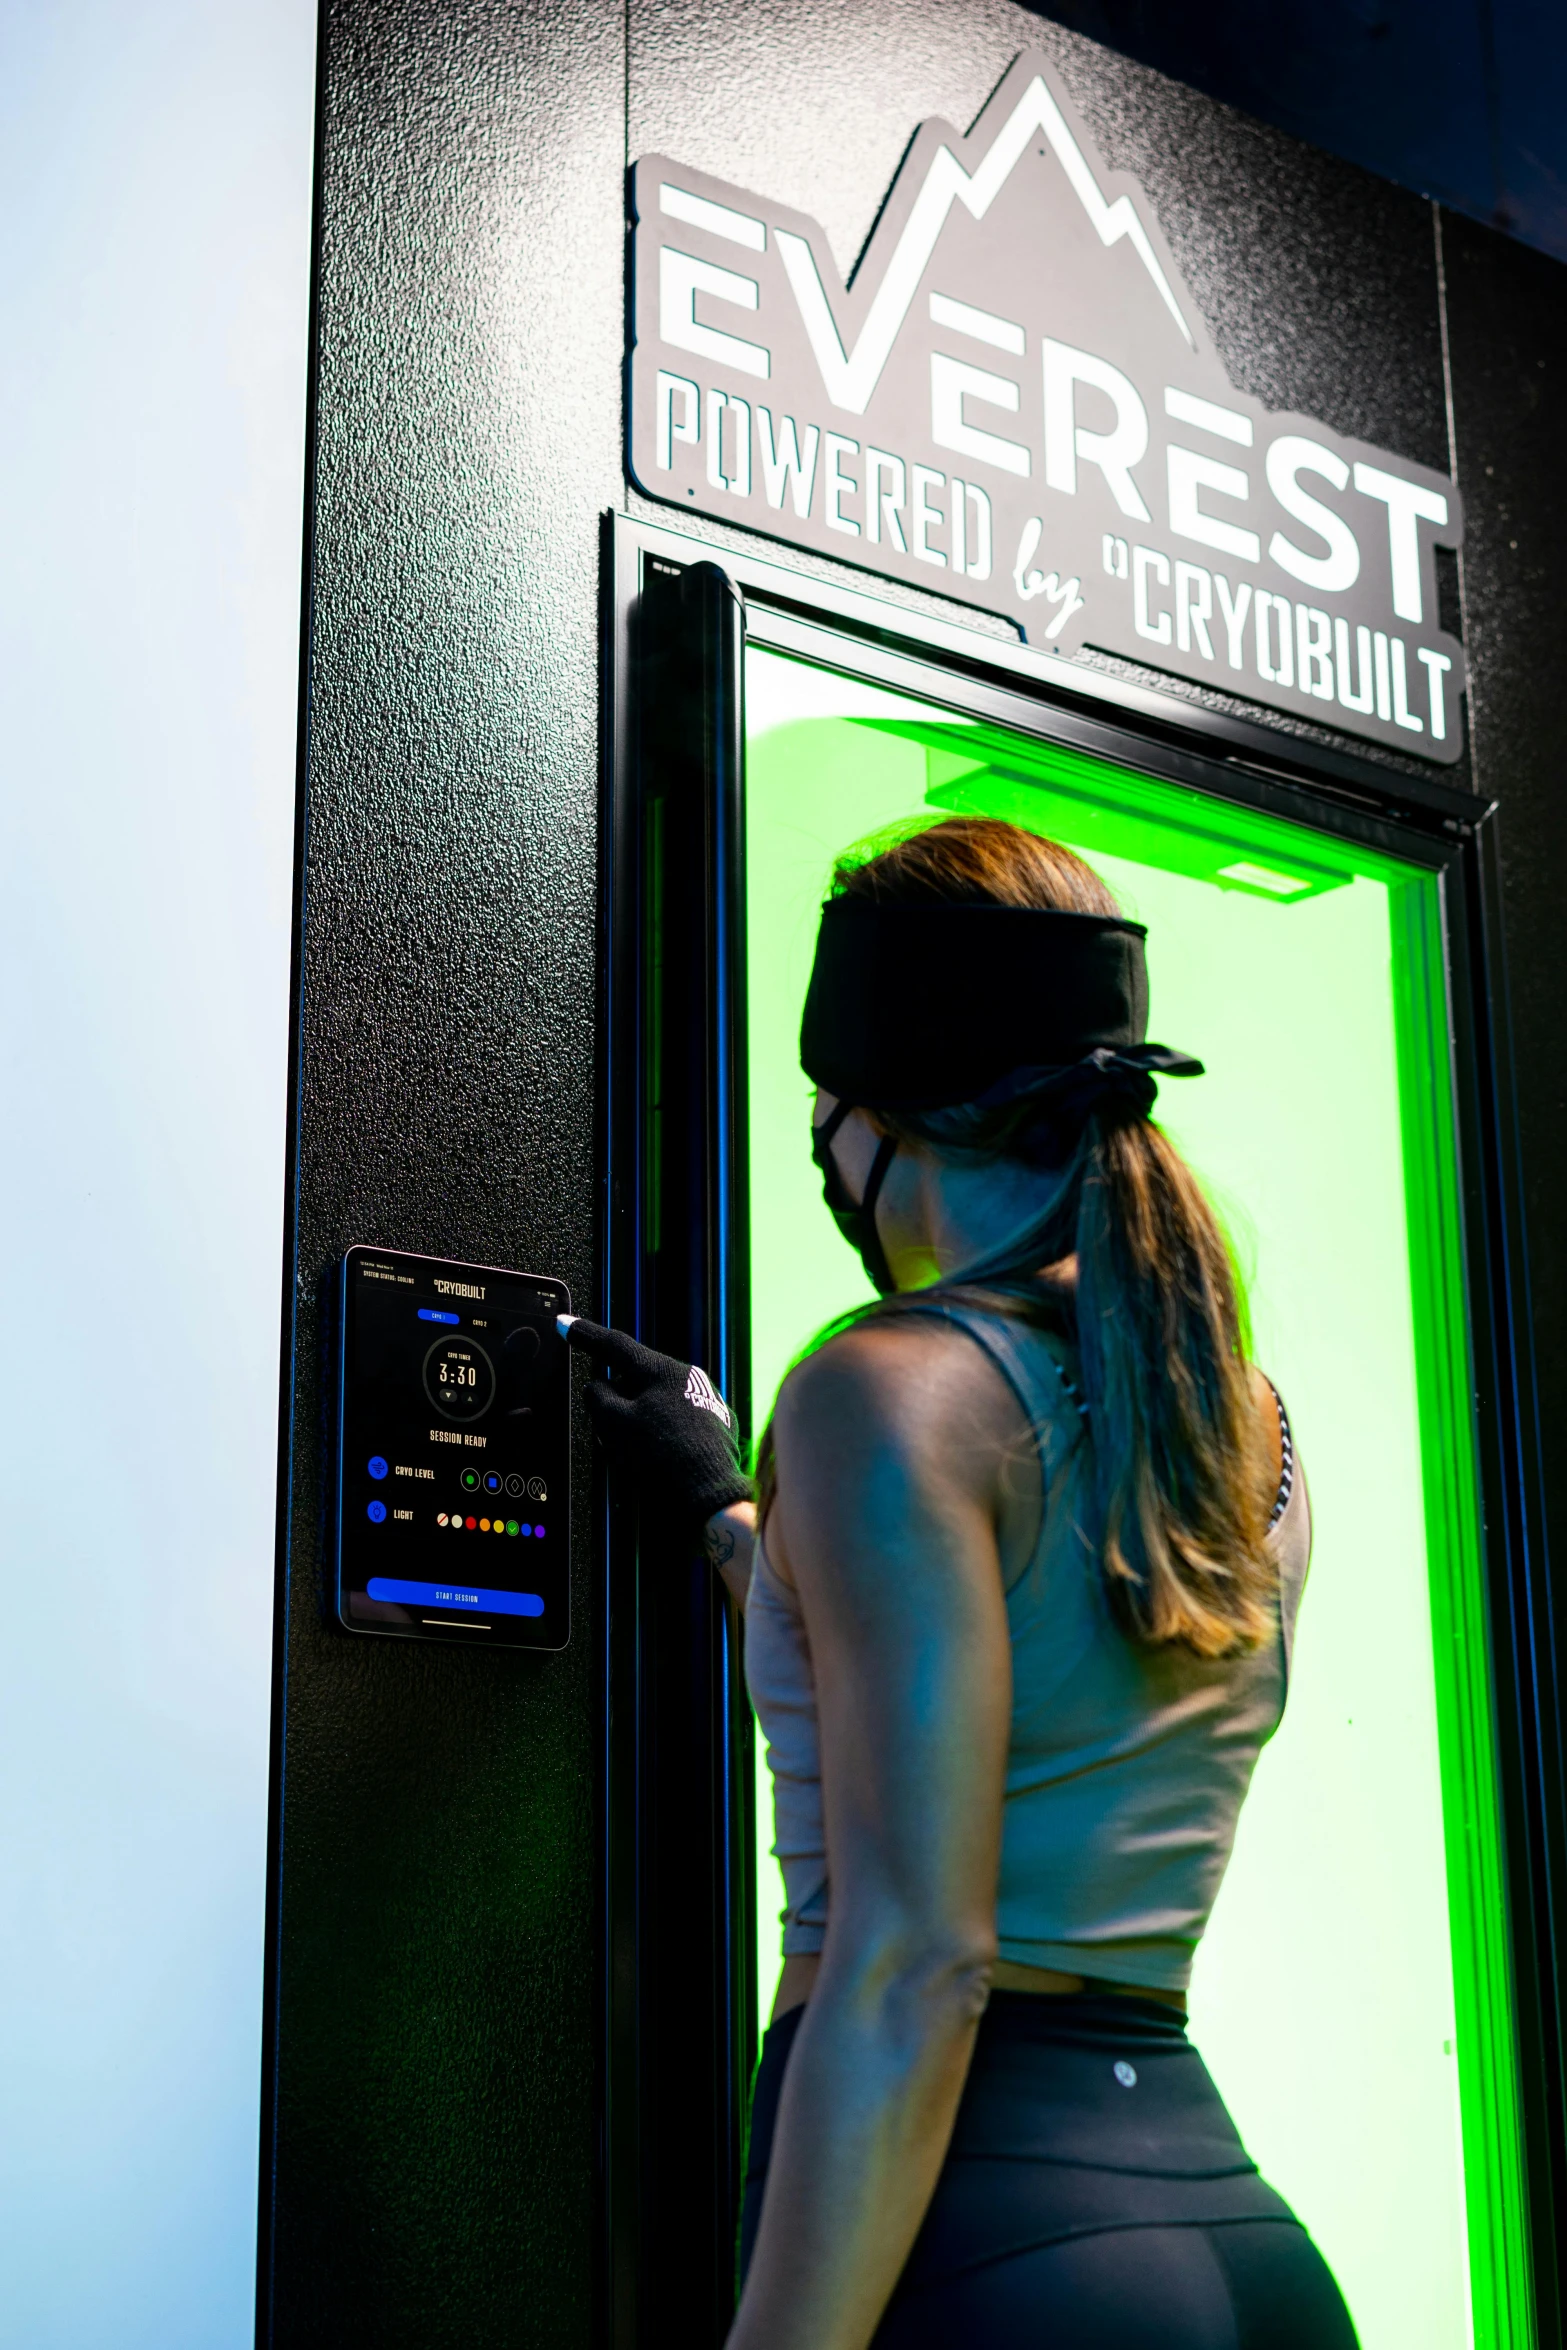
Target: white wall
154,196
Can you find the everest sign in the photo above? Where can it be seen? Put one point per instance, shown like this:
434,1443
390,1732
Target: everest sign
1016,403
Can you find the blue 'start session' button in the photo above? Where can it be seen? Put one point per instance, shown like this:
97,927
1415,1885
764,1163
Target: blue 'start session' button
463,1595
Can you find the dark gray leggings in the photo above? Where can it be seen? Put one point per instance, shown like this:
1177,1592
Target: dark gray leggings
1095,2197
1251,2284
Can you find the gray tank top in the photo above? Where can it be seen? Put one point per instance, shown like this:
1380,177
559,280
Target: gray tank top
1126,1766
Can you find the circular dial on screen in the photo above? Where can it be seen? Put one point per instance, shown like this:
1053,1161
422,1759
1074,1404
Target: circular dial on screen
459,1378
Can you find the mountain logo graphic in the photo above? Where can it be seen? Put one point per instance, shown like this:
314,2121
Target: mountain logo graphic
701,1391
1014,401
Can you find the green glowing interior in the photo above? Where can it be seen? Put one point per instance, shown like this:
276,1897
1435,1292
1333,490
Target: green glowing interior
1351,1997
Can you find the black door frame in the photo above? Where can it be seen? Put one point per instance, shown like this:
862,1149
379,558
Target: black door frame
915,651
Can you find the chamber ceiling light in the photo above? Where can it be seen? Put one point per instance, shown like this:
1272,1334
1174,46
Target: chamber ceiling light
1277,885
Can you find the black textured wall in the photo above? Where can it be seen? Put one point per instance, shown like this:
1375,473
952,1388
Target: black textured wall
1507,322
435,2010
431,2160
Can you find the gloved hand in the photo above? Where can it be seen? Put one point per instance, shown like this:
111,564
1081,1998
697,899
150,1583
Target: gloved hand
664,1425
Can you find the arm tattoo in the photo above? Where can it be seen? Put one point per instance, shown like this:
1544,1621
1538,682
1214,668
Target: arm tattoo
718,1543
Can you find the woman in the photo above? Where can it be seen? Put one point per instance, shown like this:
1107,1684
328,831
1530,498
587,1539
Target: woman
1020,1578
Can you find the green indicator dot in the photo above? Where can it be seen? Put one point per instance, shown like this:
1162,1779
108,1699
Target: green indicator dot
511,1525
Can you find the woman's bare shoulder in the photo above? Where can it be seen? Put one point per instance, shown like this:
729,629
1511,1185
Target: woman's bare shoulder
892,1442
904,1380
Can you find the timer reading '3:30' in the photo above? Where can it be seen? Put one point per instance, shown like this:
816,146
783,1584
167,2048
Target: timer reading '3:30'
459,1378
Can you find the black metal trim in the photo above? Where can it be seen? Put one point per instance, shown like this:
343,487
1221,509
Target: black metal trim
1526,1641
777,589
680,1875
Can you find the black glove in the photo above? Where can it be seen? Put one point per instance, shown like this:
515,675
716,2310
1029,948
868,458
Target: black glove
664,1425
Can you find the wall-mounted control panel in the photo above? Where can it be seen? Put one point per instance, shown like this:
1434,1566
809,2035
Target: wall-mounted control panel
454,1452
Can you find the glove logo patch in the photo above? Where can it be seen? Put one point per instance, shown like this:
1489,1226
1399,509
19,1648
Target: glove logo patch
701,1391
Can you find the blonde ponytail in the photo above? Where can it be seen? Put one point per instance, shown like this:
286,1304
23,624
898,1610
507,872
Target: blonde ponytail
1181,1455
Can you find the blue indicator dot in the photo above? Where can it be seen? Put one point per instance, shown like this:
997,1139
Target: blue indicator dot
526,1529
377,1466
376,1512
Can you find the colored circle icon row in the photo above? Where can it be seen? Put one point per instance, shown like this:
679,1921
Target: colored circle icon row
492,1481
486,1525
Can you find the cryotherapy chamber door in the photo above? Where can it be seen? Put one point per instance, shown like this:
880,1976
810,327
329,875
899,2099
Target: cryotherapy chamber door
1351,1992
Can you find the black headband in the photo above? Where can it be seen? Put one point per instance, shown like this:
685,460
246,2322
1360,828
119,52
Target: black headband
922,1007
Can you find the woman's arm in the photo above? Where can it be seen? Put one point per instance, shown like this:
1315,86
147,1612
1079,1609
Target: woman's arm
729,1543
886,1523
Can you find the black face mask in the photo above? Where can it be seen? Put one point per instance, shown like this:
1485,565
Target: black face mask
856,1220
